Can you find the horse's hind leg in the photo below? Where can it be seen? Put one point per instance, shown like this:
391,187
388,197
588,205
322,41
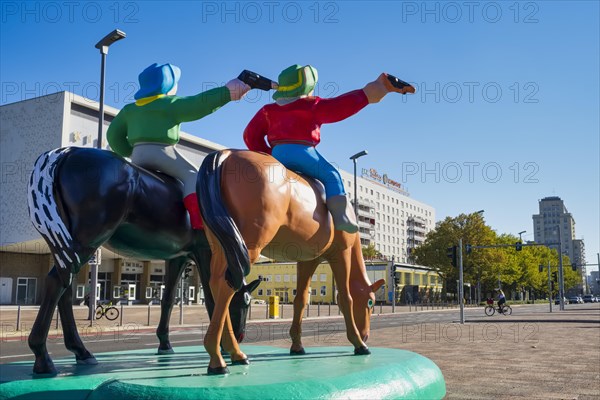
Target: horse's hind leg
73,342
174,268
304,272
340,265
55,284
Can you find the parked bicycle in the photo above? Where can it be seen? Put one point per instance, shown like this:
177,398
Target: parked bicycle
490,309
107,310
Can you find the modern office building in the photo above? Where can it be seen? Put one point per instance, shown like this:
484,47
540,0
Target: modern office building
553,215
390,220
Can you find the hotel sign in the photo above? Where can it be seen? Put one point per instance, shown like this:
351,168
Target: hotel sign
372,175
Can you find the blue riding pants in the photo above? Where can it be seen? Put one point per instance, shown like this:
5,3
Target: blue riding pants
308,161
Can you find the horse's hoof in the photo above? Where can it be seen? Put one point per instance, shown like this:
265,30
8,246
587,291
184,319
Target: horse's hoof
45,367
362,351
165,351
243,361
217,371
300,352
87,361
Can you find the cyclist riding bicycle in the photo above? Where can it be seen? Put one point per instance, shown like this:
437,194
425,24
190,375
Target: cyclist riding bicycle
501,298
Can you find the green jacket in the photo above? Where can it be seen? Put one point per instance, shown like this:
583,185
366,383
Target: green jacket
158,121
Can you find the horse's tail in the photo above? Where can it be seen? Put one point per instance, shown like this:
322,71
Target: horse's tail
43,208
217,218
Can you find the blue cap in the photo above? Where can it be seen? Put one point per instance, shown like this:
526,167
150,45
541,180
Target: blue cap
157,79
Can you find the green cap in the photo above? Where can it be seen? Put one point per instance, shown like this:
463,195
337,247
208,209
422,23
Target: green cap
296,81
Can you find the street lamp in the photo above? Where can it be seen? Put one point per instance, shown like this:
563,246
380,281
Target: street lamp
520,233
354,158
103,46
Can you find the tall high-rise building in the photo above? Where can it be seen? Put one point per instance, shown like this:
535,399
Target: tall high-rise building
553,214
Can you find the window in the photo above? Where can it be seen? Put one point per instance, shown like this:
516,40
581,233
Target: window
323,277
313,292
286,278
260,292
407,280
269,292
323,290
417,279
314,278
294,291
277,278
26,288
294,278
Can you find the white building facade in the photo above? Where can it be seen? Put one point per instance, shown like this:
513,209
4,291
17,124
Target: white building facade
388,217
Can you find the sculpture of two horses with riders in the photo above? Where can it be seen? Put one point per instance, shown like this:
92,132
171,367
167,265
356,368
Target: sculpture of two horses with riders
81,199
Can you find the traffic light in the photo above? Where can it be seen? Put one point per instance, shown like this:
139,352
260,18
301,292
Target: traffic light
555,276
451,253
397,278
574,267
469,248
518,246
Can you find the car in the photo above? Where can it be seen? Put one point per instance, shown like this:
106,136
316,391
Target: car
588,298
557,301
575,300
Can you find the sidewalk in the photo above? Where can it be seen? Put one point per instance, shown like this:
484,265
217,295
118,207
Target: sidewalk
524,356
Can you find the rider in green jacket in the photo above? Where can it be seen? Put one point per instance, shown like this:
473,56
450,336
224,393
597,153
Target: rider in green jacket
148,130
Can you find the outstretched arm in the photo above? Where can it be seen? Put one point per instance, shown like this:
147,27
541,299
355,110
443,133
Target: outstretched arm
255,132
195,107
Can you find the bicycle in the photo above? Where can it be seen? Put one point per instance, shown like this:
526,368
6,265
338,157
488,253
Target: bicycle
107,310
491,310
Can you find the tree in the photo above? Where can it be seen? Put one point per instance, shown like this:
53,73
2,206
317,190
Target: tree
472,230
369,252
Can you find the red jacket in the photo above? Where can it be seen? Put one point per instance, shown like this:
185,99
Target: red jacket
300,121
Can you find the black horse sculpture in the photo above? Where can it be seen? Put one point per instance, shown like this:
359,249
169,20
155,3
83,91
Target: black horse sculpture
81,199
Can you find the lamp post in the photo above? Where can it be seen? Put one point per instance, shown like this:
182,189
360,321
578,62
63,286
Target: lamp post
102,45
480,213
354,158
520,238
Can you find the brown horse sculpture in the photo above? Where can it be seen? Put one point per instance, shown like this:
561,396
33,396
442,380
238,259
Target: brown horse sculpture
252,205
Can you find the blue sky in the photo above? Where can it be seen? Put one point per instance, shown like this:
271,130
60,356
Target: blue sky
507,109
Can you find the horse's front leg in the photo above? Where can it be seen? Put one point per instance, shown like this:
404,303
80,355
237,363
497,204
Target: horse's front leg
72,339
304,272
222,294
230,344
340,265
39,332
173,271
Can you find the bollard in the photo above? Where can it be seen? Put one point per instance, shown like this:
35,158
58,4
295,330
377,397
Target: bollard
339,312
181,311
18,317
57,318
250,311
409,307
319,309
148,314
267,311
330,309
308,310
381,308
121,316
281,313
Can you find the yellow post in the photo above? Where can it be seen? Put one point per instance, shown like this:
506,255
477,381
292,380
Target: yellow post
273,307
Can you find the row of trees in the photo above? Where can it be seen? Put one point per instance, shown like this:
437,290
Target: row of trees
517,270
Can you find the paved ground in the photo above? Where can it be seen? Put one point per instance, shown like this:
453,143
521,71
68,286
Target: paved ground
531,354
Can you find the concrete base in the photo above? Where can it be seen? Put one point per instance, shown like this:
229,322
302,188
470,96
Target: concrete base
324,373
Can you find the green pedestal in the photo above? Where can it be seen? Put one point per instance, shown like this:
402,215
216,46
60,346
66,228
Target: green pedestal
323,373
